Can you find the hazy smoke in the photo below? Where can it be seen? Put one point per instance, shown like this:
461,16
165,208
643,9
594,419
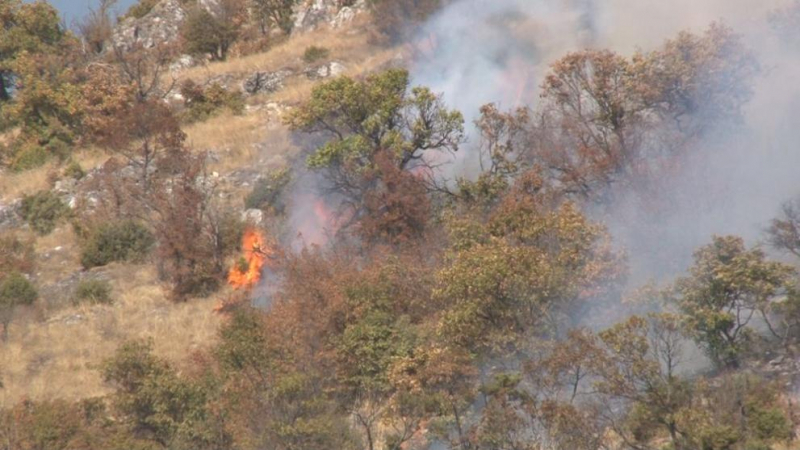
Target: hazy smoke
476,52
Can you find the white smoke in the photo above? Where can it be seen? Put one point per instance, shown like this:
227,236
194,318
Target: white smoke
476,51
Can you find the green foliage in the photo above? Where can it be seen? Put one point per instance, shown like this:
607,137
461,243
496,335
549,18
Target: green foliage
93,292
203,104
274,13
267,191
208,34
156,403
15,290
727,286
364,118
43,210
118,241
315,53
74,170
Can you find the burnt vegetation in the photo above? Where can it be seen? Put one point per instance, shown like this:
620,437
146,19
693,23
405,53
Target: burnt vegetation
448,310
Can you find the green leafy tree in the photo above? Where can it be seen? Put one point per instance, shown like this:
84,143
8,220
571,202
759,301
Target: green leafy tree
366,117
27,28
727,287
274,13
157,404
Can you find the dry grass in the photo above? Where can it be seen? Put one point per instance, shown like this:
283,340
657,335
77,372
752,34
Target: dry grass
58,358
54,349
347,43
256,139
14,185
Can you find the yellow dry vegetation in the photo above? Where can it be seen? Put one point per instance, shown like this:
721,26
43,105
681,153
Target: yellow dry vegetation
54,349
16,184
59,357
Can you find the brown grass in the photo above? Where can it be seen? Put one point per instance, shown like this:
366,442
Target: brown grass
54,349
59,357
15,185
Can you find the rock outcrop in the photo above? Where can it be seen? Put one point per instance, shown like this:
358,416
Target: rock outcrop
161,25
310,14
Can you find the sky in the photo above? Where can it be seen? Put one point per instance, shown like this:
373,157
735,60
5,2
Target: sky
74,9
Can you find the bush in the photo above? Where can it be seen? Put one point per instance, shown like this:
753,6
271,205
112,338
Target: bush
121,241
95,292
314,54
16,255
28,156
43,210
267,191
205,34
74,171
17,290
202,104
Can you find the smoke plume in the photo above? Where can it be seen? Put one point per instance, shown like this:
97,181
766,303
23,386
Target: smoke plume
475,52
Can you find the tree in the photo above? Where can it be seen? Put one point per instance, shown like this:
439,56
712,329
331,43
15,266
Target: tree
727,286
27,28
641,370
213,32
519,271
97,27
607,120
157,404
378,114
784,231
269,13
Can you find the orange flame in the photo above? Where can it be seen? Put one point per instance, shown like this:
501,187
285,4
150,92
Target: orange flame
247,272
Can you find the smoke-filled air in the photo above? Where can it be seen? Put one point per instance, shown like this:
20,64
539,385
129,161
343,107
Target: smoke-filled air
400,225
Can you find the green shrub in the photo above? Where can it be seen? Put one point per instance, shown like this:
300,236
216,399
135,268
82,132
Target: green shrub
74,171
29,156
202,104
15,290
266,193
43,210
205,34
94,292
121,241
314,54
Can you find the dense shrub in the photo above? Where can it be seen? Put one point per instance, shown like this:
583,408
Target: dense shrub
43,210
267,191
121,241
202,104
93,292
207,34
74,171
17,290
314,54
16,255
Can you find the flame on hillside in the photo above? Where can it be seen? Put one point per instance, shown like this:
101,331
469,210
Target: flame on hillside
246,272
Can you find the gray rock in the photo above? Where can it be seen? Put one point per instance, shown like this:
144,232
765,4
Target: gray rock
311,14
331,69
265,82
161,25
253,216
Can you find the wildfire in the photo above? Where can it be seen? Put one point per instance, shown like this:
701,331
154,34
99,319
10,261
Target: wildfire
246,273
